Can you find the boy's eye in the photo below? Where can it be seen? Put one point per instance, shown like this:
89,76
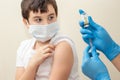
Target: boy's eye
50,17
38,20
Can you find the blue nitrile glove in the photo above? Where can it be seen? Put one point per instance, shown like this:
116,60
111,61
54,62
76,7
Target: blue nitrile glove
100,39
93,67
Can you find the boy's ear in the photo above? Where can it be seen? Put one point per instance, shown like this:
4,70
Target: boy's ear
26,23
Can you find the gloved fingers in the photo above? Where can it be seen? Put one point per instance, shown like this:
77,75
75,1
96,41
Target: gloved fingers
87,36
92,23
94,53
87,39
86,53
90,54
85,31
81,23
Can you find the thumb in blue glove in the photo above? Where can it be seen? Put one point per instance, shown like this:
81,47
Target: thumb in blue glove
100,39
93,67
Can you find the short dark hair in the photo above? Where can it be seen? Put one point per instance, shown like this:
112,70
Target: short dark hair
35,6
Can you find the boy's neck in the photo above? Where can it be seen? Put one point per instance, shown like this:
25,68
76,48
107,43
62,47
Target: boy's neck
39,44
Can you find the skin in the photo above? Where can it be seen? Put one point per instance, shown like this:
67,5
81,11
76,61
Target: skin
116,62
62,59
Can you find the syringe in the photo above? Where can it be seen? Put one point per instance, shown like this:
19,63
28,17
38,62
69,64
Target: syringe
84,17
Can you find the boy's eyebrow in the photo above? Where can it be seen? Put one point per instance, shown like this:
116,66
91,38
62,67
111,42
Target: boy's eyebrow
36,17
40,16
51,14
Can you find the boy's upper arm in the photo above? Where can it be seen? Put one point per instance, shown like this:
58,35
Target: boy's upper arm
62,62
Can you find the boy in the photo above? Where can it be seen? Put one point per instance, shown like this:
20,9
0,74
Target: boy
48,55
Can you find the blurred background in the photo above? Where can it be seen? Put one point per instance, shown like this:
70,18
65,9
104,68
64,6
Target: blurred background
12,30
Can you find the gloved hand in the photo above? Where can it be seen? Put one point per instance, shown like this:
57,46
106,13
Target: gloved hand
93,67
100,39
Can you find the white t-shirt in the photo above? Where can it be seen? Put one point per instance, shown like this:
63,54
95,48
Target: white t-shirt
25,51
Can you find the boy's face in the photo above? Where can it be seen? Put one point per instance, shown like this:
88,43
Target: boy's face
42,18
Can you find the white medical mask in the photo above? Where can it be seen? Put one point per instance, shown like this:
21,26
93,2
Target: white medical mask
44,33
